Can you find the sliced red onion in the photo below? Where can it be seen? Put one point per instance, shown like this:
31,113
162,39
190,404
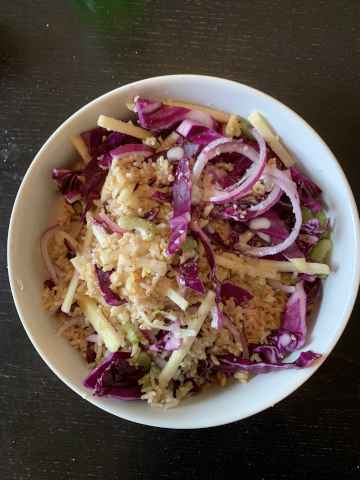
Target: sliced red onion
186,126
131,149
70,242
244,186
110,226
45,237
210,151
190,149
143,105
289,188
202,118
172,339
239,336
217,317
197,133
265,205
162,118
154,115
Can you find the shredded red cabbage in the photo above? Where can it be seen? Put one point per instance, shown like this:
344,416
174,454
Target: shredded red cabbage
156,117
189,276
167,340
190,149
90,190
116,377
308,190
162,196
217,313
289,338
292,334
197,133
230,243
230,364
103,146
238,294
294,319
312,287
69,183
110,297
82,185
200,234
100,141
314,227
151,214
181,202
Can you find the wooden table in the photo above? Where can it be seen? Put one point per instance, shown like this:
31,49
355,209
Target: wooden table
56,56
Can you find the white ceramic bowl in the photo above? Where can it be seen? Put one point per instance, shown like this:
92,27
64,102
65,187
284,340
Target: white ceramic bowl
33,210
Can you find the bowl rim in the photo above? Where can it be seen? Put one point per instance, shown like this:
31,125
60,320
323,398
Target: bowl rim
232,417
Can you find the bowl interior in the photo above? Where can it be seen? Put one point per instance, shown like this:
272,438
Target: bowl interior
34,211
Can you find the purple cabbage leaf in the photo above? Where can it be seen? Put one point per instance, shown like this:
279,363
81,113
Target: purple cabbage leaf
238,294
181,202
307,189
230,364
110,297
116,377
189,276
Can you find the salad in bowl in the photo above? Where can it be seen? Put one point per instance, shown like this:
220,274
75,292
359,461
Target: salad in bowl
189,249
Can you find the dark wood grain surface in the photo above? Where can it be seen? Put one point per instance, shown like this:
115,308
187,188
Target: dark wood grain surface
56,56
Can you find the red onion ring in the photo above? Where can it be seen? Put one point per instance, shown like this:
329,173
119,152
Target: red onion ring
131,149
265,205
244,186
45,237
186,126
289,188
210,151
201,118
